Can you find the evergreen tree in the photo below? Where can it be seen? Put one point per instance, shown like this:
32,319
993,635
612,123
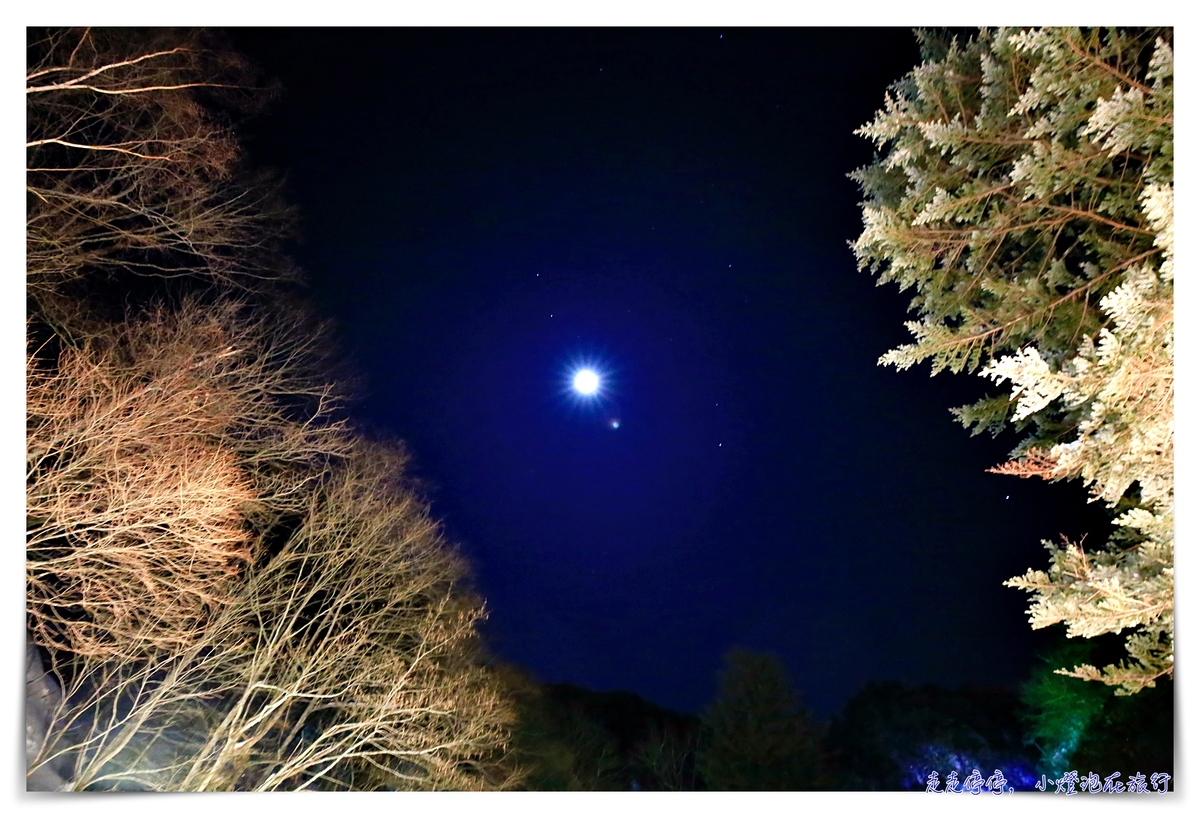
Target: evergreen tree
1076,726
1025,191
890,736
756,735
1059,710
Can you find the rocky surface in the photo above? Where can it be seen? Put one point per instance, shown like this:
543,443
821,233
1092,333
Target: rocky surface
42,697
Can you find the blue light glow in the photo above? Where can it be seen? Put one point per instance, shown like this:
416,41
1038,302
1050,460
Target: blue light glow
1018,771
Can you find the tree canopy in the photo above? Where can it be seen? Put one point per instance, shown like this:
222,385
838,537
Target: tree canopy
756,734
1024,190
230,586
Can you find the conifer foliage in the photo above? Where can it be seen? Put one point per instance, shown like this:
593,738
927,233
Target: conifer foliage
227,586
756,733
1024,190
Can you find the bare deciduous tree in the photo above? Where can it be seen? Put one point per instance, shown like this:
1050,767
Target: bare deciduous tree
151,451
232,589
669,755
128,173
346,660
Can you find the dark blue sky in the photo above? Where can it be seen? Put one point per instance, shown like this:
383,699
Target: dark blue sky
484,208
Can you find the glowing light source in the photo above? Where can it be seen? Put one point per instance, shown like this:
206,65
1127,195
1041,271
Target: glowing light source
586,382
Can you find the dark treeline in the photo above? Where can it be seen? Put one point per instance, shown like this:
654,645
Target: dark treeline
756,735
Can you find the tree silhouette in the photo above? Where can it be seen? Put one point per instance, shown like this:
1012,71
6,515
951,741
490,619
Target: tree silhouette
756,734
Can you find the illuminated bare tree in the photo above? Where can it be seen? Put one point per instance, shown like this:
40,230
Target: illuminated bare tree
346,660
128,173
152,451
232,589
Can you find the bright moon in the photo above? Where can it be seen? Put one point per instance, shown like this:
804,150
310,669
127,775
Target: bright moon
586,382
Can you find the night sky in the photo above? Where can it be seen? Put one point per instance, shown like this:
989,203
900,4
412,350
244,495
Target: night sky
484,210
